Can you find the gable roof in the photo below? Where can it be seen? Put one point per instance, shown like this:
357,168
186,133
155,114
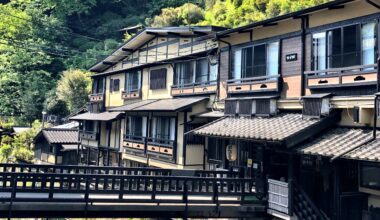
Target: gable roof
147,34
104,116
58,136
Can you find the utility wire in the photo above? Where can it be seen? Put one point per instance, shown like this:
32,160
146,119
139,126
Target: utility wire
41,22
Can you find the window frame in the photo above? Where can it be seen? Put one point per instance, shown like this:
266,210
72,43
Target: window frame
194,63
156,86
241,75
359,26
127,80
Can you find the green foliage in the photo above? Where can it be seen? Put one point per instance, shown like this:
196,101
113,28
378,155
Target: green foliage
74,87
22,144
233,13
186,14
5,152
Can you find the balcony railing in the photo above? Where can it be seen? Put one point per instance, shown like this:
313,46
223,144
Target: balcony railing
194,88
161,147
132,94
134,144
96,97
254,84
345,76
88,135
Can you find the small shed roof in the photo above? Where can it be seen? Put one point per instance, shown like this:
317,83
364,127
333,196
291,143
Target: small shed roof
104,116
58,136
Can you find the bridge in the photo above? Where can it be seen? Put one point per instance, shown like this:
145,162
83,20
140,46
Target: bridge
43,191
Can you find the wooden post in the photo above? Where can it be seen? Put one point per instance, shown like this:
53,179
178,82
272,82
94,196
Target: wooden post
290,183
88,155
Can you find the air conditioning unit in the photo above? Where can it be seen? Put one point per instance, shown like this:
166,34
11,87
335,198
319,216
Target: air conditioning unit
316,105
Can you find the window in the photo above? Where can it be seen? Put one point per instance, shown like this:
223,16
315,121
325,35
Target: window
215,150
90,126
370,176
368,38
319,51
345,46
132,81
114,85
136,126
195,71
98,85
256,61
163,128
158,79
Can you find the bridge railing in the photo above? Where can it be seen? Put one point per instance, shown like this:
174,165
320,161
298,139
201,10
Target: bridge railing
49,187
69,169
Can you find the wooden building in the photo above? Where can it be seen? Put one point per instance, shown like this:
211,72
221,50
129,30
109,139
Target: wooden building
56,146
288,101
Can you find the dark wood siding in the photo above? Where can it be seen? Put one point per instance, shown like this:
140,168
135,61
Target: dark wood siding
223,74
308,53
291,46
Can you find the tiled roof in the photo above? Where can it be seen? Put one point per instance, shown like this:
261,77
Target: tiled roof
370,151
60,136
345,142
133,105
282,127
176,104
104,116
336,141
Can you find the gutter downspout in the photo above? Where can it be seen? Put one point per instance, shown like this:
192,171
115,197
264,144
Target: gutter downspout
374,128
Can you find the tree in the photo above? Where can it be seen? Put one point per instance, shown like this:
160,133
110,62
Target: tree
187,14
74,88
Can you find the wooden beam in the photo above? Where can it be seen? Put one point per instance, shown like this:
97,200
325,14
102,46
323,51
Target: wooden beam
127,50
336,7
108,63
152,33
270,24
200,33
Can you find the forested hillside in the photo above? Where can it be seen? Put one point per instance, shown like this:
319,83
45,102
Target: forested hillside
47,45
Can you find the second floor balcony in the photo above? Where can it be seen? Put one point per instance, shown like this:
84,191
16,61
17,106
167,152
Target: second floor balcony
88,135
154,147
361,75
131,94
254,84
96,97
208,87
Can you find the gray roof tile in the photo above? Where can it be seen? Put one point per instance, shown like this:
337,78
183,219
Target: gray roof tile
60,136
275,128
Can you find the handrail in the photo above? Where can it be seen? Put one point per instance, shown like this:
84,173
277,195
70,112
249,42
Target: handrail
132,137
253,79
96,94
160,140
79,169
194,84
84,185
340,70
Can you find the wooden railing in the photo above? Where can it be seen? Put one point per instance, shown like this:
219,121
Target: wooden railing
135,144
96,97
132,94
194,88
39,168
88,135
345,76
164,148
254,84
80,188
